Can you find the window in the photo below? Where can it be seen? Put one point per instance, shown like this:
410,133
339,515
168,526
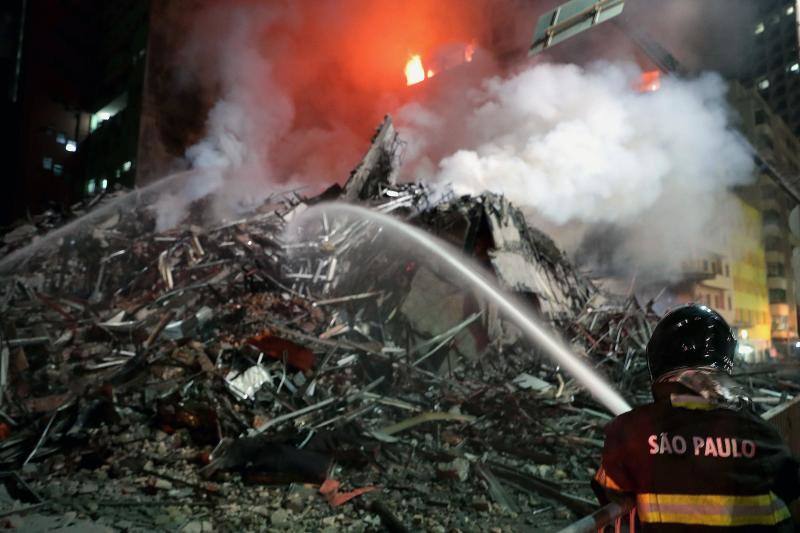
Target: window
47,163
772,217
759,28
727,274
775,270
126,166
71,146
90,186
58,169
763,84
769,191
777,296
717,301
104,184
772,244
729,303
61,137
705,265
794,67
790,9
780,323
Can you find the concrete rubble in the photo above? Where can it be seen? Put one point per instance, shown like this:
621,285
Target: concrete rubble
208,378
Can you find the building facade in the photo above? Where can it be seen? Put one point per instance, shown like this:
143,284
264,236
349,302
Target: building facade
81,74
773,64
777,195
732,279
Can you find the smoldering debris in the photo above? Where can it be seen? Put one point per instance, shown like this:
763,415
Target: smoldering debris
243,376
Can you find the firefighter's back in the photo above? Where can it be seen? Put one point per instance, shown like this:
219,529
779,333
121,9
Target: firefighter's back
694,465
698,458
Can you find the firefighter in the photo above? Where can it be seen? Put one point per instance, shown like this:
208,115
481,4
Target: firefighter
697,458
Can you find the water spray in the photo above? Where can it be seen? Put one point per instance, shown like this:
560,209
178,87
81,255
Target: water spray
128,201
596,385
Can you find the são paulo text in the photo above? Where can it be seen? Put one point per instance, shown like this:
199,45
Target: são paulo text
666,444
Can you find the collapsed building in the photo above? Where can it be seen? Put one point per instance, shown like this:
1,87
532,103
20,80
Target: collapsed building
262,372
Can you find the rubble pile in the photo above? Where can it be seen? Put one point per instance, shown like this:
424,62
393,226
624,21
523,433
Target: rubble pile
24,232
316,377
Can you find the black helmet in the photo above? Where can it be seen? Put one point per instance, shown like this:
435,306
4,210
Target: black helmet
690,336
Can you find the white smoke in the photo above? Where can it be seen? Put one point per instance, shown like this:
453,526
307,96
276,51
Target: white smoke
232,164
582,147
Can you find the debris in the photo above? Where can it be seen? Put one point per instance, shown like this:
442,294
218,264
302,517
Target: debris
330,489
496,489
456,469
283,350
419,419
245,384
526,381
214,371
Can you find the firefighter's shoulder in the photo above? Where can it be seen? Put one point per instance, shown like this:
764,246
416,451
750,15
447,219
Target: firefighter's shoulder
636,418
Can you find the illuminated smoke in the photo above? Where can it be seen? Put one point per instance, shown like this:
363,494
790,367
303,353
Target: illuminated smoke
583,146
298,88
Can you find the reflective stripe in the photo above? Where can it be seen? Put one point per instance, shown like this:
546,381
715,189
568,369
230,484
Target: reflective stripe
712,509
606,481
691,401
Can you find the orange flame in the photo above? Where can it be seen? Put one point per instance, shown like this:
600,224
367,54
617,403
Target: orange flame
649,81
431,73
469,51
415,72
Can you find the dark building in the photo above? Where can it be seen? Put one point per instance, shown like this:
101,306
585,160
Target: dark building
773,63
81,73
11,35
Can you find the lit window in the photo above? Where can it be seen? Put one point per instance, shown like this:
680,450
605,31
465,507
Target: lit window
61,137
794,67
790,10
47,163
71,146
118,173
58,169
90,186
763,84
104,184
126,166
759,28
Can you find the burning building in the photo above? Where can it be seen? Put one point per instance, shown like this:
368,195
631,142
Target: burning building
204,345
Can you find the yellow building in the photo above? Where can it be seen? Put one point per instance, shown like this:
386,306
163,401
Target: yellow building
752,318
733,281
776,194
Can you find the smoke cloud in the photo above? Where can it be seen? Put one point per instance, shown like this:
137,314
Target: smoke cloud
294,89
298,87
583,149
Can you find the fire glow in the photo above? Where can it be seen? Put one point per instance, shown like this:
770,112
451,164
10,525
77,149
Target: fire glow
649,82
415,72
445,58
